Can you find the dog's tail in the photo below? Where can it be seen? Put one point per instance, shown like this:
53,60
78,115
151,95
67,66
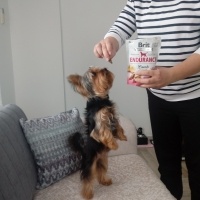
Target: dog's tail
76,142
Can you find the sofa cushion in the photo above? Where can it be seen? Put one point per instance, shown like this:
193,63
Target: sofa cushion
17,169
48,141
132,180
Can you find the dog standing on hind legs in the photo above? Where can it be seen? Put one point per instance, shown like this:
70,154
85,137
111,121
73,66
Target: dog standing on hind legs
102,127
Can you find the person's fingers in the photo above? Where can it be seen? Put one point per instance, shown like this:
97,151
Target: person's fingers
111,50
106,54
109,47
101,51
144,73
106,48
98,50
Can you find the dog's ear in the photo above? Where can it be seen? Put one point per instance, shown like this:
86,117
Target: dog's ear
76,81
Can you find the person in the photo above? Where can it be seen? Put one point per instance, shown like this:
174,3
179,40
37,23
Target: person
173,88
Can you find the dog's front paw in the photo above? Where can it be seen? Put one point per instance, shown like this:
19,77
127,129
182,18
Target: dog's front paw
112,145
120,133
106,181
123,137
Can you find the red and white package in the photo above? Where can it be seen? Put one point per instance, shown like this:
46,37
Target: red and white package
142,55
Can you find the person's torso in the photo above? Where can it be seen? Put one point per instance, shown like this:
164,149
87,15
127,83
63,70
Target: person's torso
177,22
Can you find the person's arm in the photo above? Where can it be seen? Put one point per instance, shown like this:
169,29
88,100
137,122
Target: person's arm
122,29
163,76
125,25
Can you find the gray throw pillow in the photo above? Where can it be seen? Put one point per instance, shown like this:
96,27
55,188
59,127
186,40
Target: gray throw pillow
48,140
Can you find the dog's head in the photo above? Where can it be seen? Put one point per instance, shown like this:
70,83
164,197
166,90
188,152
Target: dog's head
96,82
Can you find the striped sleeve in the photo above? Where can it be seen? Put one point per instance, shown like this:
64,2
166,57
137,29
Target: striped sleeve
125,25
197,51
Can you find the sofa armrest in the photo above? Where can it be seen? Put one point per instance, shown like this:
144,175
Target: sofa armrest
17,166
129,146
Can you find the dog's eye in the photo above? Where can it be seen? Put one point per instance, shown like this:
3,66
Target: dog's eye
94,73
105,70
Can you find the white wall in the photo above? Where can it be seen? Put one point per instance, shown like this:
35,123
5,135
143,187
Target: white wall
6,70
1,104
39,38
84,24
37,56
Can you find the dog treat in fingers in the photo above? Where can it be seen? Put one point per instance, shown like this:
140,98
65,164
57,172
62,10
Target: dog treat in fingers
110,61
142,54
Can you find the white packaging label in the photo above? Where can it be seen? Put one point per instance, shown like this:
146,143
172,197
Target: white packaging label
142,55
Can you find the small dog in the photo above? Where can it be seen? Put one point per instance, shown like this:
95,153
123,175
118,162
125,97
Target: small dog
102,127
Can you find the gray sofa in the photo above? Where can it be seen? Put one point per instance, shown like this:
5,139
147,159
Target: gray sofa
132,178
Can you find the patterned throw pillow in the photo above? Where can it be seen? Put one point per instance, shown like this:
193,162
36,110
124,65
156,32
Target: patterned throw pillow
48,138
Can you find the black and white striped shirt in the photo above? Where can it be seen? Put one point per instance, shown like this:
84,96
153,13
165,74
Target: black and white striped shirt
177,22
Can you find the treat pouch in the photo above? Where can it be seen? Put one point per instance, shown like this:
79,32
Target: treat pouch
142,55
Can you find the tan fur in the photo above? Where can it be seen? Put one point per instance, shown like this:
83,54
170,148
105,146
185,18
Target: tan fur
96,82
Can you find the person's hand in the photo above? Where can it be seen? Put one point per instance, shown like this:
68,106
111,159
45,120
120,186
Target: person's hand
156,78
106,48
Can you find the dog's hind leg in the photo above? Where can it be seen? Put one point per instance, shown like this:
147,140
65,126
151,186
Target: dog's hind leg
101,169
88,181
87,188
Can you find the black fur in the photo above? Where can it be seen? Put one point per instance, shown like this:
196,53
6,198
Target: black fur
93,106
83,143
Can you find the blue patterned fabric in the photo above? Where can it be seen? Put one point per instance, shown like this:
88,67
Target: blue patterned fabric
48,138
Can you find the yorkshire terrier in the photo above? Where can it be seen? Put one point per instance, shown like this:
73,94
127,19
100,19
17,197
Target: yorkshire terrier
102,127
